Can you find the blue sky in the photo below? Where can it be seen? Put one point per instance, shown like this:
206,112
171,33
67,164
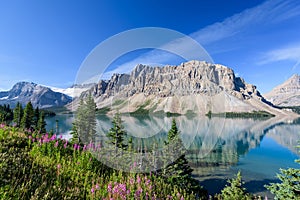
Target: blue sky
46,41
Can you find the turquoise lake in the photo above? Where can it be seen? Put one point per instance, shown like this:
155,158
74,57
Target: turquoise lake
217,148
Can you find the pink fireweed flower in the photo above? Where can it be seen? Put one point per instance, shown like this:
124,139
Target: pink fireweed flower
182,198
97,187
53,137
138,180
109,187
84,148
56,144
58,166
65,145
131,181
138,192
2,125
30,137
147,182
60,137
75,147
92,190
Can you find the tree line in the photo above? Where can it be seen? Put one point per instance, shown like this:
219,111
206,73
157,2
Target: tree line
28,118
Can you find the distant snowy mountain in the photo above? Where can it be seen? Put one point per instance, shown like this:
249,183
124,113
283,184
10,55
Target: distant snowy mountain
74,91
40,96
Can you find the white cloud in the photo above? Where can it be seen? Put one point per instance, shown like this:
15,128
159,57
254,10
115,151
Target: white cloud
291,53
269,12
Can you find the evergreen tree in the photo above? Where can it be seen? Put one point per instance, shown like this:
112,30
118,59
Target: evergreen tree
75,137
36,117
41,124
289,188
84,127
18,114
6,114
178,171
27,119
117,133
235,190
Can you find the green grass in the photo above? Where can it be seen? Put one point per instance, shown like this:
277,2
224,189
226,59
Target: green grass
253,114
102,111
118,102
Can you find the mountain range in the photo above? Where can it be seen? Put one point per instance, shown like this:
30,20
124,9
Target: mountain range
40,96
191,87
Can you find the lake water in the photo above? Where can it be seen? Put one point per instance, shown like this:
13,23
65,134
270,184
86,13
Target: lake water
217,148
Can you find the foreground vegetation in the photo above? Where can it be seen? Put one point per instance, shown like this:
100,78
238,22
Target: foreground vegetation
38,165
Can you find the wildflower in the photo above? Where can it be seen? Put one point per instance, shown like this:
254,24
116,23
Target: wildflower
131,181
58,166
65,145
109,187
182,198
97,187
92,190
148,182
75,147
60,137
53,137
56,144
138,179
84,147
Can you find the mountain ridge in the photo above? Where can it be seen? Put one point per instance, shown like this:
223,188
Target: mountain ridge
195,86
39,95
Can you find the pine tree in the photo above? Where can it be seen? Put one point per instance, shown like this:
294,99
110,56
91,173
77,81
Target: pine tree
18,114
178,171
84,127
41,124
289,188
36,117
117,133
75,137
27,119
235,190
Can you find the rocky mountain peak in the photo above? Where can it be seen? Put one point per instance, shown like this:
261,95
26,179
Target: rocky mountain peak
41,96
287,93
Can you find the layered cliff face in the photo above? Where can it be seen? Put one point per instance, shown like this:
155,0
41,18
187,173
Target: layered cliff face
287,93
40,96
192,86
